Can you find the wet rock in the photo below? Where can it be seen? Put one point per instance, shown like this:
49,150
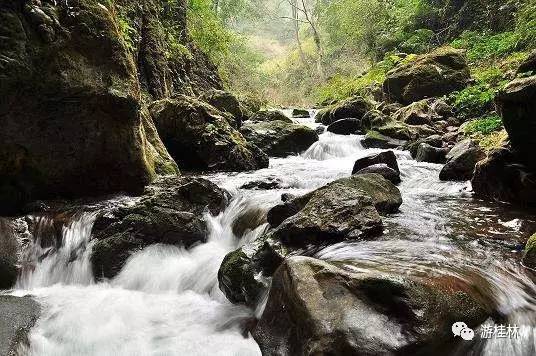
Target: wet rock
61,62
434,141
500,177
384,170
517,105
318,308
374,139
320,129
430,75
199,137
529,64
388,158
431,154
249,220
279,138
291,206
529,256
170,212
300,113
346,209
17,317
267,184
270,115
225,102
355,107
461,161
9,252
345,127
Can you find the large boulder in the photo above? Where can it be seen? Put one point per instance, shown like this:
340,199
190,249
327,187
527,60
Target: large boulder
171,211
386,157
430,75
71,108
9,253
199,137
17,316
348,126
517,106
346,209
417,113
501,177
225,102
300,113
318,308
355,107
529,64
279,138
270,115
461,161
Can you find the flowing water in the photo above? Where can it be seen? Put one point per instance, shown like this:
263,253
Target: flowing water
166,300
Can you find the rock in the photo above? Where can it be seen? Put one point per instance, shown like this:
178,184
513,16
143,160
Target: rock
345,127
384,170
17,316
397,130
417,113
430,75
291,206
279,138
390,108
434,141
373,119
72,109
529,256
270,115
346,209
199,137
517,105
225,102
388,158
250,219
317,308
170,212
500,177
320,129
529,64
374,139
461,161
9,252
267,184
300,113
355,107
431,154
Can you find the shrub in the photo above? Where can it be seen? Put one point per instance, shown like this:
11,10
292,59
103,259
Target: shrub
484,126
483,46
474,101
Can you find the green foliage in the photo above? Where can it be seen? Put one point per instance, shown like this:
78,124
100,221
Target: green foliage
526,24
474,101
483,46
485,125
128,33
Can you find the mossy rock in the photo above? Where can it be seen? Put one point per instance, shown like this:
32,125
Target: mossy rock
529,257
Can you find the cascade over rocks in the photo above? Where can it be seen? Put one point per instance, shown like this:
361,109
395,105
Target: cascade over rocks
199,137
71,108
430,75
9,252
17,316
170,212
279,138
355,107
318,308
461,161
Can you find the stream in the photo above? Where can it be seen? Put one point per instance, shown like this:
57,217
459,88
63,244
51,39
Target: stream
166,300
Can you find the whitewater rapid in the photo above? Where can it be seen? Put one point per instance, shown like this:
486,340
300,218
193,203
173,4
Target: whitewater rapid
166,300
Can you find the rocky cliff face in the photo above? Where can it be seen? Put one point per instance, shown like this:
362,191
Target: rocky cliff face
75,79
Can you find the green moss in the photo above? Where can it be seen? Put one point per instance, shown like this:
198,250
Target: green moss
483,46
485,125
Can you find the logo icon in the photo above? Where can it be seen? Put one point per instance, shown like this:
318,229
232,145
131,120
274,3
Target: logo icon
462,330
